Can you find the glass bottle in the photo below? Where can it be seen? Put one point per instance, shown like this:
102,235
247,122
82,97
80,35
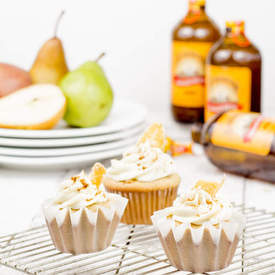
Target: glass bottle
192,39
241,143
233,73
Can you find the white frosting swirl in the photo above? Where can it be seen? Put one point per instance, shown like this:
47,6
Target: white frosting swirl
142,163
78,192
197,207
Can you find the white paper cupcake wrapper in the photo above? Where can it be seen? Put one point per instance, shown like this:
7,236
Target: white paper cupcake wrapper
198,250
84,231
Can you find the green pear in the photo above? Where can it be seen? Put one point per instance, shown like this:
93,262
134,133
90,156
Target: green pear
50,64
89,95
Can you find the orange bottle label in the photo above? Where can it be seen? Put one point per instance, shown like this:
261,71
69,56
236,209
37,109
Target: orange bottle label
227,88
188,73
248,132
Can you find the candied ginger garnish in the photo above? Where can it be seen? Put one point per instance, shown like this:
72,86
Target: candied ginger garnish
155,136
210,187
98,171
176,148
168,144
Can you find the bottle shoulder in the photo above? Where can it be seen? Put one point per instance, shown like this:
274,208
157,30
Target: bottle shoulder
223,53
204,30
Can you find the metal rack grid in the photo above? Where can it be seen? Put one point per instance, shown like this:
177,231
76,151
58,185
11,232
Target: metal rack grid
136,250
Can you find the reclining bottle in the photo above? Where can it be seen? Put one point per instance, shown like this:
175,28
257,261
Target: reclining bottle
242,143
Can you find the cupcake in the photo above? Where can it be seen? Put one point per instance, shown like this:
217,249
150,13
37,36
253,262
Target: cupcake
200,232
145,176
82,218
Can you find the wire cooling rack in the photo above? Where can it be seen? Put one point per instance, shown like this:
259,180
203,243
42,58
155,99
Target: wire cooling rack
136,250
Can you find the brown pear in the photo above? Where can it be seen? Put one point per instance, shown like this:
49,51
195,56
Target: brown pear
12,78
50,64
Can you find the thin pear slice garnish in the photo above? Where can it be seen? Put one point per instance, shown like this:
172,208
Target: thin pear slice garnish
211,188
155,136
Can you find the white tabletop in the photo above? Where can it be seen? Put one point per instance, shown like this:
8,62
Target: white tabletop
22,192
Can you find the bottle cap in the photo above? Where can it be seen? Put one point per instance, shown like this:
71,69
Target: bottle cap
195,7
237,33
197,2
236,27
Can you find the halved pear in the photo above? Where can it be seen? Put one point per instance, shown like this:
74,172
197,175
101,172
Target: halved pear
36,107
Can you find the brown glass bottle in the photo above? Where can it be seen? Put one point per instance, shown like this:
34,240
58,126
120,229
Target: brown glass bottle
241,143
192,39
233,73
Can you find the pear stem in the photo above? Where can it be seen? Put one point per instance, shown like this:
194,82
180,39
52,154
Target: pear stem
99,57
57,22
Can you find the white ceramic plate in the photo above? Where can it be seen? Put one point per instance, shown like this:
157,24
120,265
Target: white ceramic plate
70,142
124,115
53,163
54,152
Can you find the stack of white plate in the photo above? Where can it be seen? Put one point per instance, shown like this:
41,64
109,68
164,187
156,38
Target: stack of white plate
65,147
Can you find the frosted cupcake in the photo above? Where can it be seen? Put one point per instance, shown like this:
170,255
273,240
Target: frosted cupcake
82,218
145,176
201,231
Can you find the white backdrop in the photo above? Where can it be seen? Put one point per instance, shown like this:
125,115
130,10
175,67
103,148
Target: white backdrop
135,34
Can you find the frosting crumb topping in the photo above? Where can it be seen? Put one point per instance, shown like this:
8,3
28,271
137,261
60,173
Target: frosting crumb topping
146,161
82,190
201,205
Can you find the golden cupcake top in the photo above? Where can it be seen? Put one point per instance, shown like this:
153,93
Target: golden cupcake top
146,161
82,190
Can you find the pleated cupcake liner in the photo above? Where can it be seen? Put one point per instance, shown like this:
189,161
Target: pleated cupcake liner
199,250
142,205
84,231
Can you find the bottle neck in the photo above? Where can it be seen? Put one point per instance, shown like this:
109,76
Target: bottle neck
196,7
196,12
235,34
